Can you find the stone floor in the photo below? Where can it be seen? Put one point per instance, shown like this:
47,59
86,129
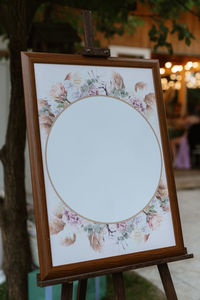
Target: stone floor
187,179
185,274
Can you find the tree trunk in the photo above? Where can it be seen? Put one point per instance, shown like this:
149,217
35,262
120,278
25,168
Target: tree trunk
17,259
13,215
14,231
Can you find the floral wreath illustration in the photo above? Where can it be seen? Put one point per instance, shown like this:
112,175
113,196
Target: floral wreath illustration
63,222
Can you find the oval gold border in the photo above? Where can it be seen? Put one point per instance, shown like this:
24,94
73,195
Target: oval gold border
118,99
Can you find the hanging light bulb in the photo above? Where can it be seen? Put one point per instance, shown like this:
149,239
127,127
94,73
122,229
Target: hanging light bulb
179,77
195,64
188,75
177,85
168,64
164,80
197,75
180,68
189,65
175,69
162,71
171,83
173,77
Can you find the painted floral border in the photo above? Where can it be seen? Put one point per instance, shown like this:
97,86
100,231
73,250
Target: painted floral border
64,222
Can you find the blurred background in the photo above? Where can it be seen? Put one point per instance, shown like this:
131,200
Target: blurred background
147,30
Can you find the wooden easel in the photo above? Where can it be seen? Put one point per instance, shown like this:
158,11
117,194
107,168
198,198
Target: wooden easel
117,273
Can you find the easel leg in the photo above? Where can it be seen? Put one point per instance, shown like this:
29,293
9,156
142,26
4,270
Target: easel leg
167,281
118,286
82,288
66,291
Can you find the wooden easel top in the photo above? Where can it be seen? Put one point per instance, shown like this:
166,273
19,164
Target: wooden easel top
89,49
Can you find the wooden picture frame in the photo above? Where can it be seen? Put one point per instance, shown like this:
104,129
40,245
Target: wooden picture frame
160,234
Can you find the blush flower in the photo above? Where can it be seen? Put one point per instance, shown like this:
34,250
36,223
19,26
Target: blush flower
138,235
162,191
150,101
46,122
56,225
96,241
58,211
72,218
67,236
154,220
117,81
58,91
121,227
68,241
165,206
137,104
140,86
74,78
93,91
146,237
43,104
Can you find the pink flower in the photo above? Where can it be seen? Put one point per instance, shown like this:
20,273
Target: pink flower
72,218
154,220
137,104
43,104
121,227
166,207
93,91
57,91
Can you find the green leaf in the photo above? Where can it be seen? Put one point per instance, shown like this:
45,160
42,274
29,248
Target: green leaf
187,41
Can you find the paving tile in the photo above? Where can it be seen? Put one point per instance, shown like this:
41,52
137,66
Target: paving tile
185,274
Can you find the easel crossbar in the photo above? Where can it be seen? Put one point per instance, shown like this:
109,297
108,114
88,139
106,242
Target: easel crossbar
43,283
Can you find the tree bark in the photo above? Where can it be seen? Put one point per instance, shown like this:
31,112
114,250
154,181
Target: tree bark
17,259
16,249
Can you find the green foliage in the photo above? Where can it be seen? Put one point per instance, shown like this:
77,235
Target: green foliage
97,228
182,31
166,9
60,14
118,16
169,11
132,23
159,36
3,292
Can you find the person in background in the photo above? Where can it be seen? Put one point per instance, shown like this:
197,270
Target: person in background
180,146
194,144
